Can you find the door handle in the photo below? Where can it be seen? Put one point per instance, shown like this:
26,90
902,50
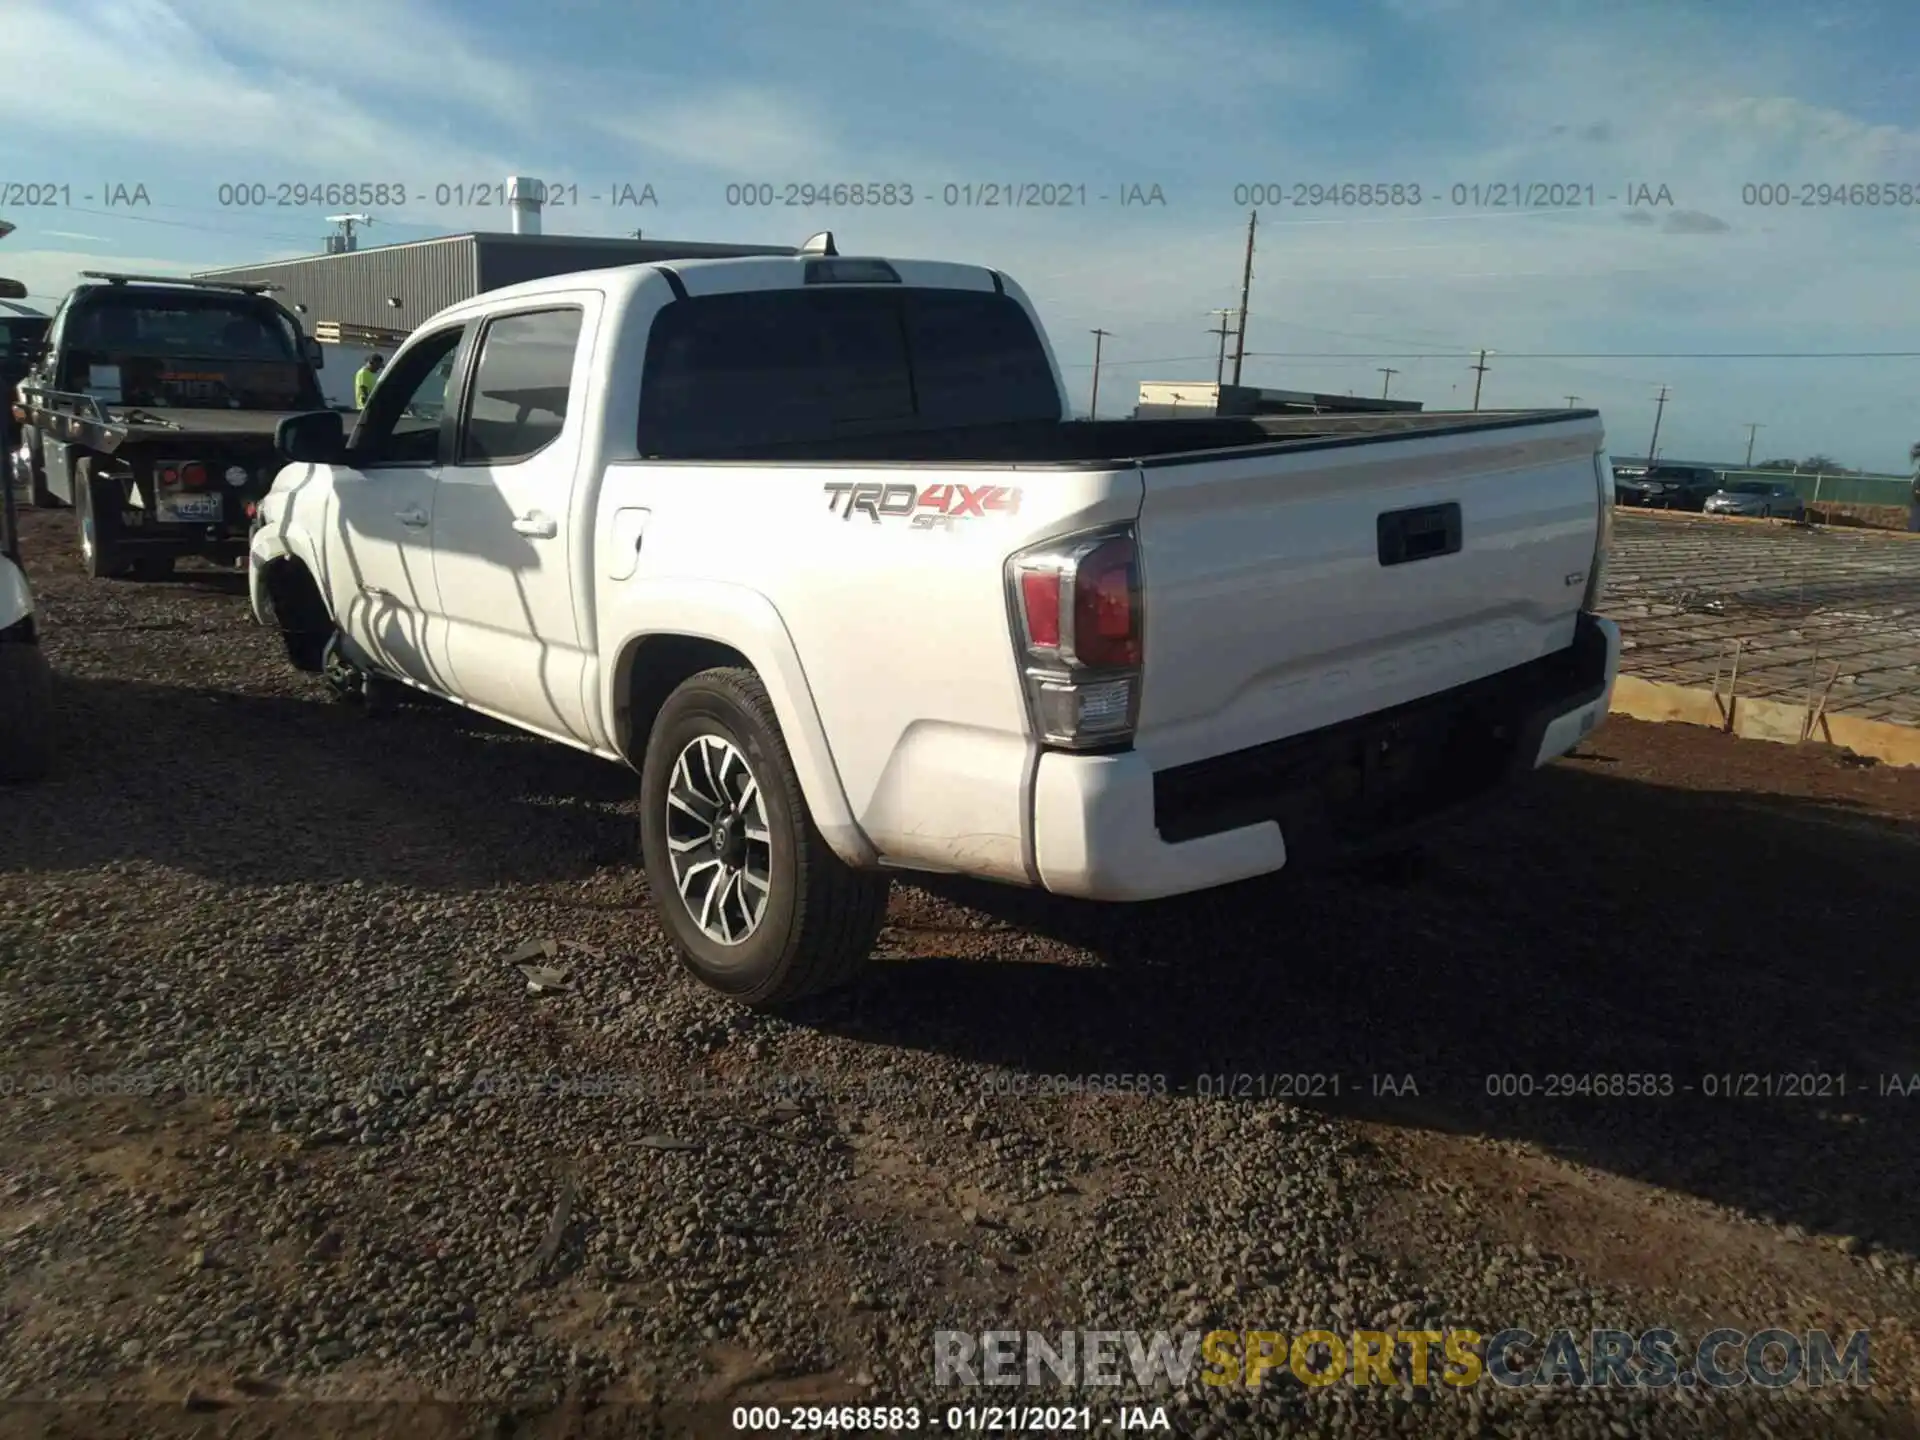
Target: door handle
540,527
416,519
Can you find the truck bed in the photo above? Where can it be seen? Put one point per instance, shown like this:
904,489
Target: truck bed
1100,443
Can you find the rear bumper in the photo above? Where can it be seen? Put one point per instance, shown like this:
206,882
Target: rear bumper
1110,828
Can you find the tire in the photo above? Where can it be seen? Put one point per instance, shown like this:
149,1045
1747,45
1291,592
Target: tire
37,492
348,683
26,712
99,556
818,917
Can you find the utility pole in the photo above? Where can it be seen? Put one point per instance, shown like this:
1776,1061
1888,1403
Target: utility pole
1653,445
1572,400
1246,287
1480,373
1389,372
1750,433
1093,407
1222,330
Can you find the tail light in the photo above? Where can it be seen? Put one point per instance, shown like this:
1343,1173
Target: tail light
1079,624
1603,533
182,475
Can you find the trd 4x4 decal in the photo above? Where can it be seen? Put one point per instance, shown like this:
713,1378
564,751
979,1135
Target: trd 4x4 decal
933,507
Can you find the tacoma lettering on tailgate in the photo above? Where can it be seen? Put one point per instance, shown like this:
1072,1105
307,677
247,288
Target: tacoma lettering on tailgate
932,507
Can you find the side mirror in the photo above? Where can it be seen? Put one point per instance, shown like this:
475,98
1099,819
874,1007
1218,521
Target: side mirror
315,438
316,353
13,289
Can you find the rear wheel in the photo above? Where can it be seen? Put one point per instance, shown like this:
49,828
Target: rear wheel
758,905
37,491
96,507
26,711
352,684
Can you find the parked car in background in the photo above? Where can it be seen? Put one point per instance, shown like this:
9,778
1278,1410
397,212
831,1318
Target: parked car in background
691,518
151,409
1766,498
23,333
1667,487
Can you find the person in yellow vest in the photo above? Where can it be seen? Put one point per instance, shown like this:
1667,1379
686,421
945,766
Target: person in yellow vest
363,380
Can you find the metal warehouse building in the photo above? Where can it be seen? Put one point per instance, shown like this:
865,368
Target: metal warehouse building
398,287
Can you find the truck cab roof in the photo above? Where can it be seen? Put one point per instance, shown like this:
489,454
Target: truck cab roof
732,274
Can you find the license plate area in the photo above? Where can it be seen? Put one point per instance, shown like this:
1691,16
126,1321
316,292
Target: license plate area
192,507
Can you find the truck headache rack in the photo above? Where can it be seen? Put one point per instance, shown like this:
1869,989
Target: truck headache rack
115,277
69,402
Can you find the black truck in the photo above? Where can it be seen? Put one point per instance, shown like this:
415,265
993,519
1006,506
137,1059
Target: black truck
151,412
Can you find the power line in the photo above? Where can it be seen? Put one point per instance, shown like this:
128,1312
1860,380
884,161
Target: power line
227,230
1162,360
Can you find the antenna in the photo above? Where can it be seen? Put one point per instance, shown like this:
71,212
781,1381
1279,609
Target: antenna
346,240
821,244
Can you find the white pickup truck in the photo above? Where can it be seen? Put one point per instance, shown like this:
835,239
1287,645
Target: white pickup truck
809,542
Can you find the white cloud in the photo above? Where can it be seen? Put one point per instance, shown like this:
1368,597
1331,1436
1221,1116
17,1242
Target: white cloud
1172,54
393,46
184,101
743,132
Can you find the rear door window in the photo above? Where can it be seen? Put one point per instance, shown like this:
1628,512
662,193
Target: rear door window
730,373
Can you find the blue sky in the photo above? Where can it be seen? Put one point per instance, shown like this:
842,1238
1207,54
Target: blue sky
1197,99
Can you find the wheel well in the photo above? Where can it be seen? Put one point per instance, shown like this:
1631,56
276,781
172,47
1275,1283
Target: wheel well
656,667
299,610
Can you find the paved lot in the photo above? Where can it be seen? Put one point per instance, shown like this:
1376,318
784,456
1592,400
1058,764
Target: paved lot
1804,607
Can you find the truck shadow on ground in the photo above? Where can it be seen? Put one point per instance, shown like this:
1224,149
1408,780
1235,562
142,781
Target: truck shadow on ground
1597,926
272,790
1593,924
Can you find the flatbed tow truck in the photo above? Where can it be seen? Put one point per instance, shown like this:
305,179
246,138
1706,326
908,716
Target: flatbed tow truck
152,414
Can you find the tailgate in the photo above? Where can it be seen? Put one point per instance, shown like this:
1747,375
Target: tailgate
1295,589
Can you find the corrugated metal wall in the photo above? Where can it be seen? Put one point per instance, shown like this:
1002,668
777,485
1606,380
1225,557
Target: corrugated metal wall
353,288
430,275
510,260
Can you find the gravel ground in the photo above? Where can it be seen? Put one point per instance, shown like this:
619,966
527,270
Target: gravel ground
364,1165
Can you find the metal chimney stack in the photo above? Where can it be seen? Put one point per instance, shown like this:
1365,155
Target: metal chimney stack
525,196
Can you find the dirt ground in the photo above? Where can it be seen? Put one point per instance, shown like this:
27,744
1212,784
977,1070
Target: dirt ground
226,870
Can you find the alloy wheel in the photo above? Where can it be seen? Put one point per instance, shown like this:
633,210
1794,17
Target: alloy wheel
718,840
